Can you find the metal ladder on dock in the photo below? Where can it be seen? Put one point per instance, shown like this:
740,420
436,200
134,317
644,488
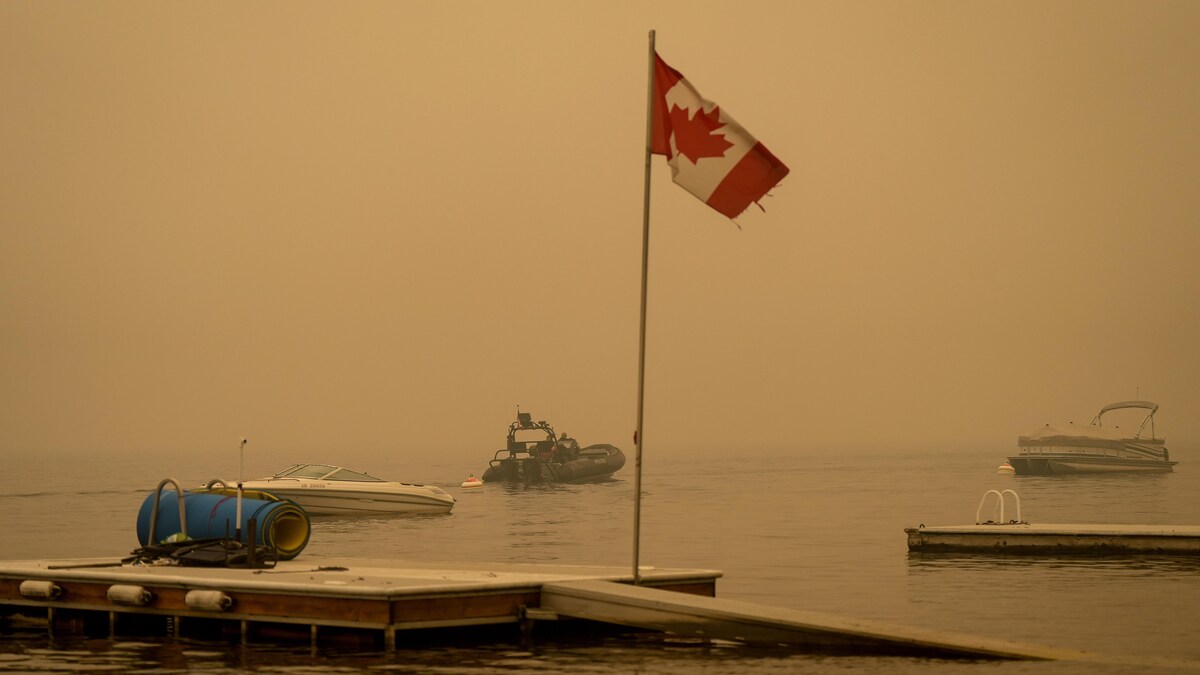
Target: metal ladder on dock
154,511
998,508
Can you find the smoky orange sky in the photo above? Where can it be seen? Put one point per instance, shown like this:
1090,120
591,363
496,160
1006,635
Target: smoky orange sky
387,224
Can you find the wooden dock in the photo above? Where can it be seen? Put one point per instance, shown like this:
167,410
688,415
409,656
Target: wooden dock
371,595
390,600
1072,539
746,622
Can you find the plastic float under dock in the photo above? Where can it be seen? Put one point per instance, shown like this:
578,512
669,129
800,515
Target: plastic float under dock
1047,538
387,599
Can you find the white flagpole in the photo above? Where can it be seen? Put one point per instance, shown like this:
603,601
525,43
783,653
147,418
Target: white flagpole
638,438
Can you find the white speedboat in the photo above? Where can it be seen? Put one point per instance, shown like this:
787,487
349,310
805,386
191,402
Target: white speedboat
323,489
1056,449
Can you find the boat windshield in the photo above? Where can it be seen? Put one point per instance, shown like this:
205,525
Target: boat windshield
326,472
347,474
306,471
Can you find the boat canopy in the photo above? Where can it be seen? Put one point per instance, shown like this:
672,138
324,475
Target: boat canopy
1145,405
1152,407
1072,435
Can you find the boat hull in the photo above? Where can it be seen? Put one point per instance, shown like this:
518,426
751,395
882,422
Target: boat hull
1047,465
595,463
338,502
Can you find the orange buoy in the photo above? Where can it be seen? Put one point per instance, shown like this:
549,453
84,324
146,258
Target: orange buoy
472,481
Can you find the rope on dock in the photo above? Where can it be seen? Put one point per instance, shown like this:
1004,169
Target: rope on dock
216,552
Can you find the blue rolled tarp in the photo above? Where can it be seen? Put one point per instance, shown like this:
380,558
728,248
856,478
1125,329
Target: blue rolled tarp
280,524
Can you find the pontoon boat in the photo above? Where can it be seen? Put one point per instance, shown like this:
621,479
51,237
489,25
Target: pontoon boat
1056,449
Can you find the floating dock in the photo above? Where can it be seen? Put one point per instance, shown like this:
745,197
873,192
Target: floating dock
384,597
1016,536
1027,538
387,601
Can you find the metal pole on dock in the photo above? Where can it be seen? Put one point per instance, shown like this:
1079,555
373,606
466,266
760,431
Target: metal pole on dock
638,437
241,470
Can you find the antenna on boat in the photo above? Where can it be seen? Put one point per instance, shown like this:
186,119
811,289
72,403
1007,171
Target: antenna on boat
241,465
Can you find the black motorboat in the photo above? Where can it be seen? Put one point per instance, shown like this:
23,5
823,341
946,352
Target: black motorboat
535,454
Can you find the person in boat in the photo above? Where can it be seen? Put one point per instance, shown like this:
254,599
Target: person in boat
567,448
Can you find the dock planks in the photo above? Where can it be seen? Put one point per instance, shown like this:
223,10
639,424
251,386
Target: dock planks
388,597
363,594
711,617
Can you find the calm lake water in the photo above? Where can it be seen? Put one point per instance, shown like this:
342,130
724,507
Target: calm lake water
810,530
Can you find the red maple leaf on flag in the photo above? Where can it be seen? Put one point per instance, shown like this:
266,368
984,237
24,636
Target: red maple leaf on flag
694,137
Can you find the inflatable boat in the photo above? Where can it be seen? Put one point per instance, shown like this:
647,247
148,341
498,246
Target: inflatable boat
535,454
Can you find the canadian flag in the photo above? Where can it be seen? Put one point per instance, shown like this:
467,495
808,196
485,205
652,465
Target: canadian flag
710,154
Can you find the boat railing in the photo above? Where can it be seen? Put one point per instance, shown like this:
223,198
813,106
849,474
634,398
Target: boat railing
154,510
1098,420
510,453
998,508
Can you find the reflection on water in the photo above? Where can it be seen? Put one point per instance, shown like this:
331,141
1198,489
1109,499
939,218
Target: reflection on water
70,493
359,521
611,651
1125,565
